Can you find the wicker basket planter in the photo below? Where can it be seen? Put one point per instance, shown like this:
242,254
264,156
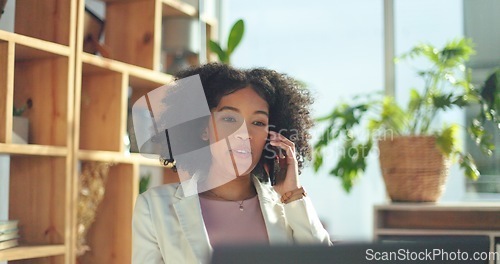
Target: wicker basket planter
414,169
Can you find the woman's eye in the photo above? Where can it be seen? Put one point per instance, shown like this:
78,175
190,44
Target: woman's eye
258,123
228,119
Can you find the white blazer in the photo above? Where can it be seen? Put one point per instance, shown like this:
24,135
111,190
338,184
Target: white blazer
168,227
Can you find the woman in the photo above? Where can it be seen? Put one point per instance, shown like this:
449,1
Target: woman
262,118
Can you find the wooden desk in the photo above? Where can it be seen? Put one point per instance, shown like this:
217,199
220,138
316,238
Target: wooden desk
406,220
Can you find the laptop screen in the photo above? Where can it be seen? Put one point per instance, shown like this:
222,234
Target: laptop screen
456,249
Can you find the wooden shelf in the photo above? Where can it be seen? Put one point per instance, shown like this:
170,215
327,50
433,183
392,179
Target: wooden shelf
469,206
105,156
31,149
80,109
50,20
47,83
139,76
400,221
34,48
111,156
31,251
37,62
452,218
434,232
178,8
114,218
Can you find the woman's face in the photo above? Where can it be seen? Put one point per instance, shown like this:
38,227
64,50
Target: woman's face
237,131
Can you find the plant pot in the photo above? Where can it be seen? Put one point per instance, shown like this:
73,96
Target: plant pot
414,169
20,129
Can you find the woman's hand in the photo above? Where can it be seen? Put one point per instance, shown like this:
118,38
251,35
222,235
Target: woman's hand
288,181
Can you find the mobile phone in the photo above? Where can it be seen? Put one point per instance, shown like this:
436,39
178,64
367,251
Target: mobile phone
271,153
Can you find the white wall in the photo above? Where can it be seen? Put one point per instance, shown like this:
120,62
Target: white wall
4,186
7,24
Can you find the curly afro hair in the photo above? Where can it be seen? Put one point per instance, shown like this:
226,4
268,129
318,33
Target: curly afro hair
289,103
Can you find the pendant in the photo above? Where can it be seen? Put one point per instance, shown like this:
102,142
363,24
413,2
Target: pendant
241,207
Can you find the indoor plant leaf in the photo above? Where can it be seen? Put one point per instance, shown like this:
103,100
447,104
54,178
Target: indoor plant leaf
447,140
235,36
215,47
447,85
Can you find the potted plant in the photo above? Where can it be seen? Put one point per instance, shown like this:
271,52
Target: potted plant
20,124
233,40
144,182
415,150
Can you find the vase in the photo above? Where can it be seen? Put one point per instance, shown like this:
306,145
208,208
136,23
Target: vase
413,168
20,129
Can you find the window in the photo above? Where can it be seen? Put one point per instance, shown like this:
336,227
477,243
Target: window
480,20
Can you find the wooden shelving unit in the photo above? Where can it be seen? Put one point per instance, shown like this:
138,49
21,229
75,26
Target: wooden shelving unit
37,62
32,251
178,8
406,220
80,111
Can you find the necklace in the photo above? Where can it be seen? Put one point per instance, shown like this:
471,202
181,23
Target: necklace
239,203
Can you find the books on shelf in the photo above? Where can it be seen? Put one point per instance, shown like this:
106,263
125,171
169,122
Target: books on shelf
7,225
8,244
9,234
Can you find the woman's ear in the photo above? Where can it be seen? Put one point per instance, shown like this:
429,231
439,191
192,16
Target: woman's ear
204,135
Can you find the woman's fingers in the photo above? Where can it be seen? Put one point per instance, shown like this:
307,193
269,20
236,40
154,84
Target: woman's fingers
288,149
284,143
279,137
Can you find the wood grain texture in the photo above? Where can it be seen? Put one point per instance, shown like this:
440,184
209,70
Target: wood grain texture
44,61
45,260
110,237
31,48
24,252
6,77
100,112
37,195
130,33
405,220
45,81
458,220
48,20
33,150
123,113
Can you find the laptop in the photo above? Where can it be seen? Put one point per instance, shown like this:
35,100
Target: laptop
415,249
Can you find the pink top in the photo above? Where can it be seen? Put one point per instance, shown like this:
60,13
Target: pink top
227,224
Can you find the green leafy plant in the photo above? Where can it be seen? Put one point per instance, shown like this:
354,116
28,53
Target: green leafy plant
19,111
447,85
144,182
234,39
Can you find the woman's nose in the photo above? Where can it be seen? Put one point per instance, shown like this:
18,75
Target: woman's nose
243,133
